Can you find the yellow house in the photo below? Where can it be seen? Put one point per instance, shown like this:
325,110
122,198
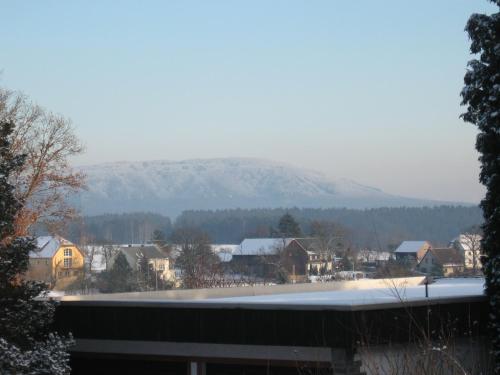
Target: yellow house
56,261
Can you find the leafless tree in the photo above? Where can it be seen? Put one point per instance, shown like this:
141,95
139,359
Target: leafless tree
330,237
199,265
47,179
108,252
472,243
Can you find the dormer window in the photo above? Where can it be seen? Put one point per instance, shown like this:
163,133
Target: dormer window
68,252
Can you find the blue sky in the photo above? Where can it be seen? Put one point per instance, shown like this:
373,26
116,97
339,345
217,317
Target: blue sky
357,89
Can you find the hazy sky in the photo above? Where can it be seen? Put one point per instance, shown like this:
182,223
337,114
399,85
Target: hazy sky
366,90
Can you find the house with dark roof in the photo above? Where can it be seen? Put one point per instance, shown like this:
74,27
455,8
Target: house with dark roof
156,258
55,261
412,250
441,261
258,257
306,256
300,257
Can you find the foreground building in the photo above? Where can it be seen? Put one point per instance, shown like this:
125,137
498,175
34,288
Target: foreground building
55,261
326,328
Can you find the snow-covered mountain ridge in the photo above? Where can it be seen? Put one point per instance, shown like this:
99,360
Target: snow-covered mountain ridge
169,187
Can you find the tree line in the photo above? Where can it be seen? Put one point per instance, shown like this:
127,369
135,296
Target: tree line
377,228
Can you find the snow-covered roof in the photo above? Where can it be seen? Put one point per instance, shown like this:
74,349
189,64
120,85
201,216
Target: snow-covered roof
47,246
225,251
347,295
262,246
411,246
443,288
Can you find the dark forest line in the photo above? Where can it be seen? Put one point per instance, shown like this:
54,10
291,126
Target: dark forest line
378,228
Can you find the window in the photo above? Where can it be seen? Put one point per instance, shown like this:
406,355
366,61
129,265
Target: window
161,267
68,252
68,262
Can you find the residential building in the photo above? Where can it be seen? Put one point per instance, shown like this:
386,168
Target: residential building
469,247
305,256
441,261
258,256
412,251
55,261
300,257
158,261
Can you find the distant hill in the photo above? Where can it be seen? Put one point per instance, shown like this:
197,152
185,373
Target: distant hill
170,187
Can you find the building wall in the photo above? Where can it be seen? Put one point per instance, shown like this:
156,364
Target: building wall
162,266
64,273
54,271
40,269
295,260
422,251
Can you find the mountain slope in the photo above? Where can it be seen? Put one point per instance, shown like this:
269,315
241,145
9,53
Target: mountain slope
169,187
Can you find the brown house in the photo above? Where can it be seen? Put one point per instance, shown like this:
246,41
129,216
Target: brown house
445,261
303,257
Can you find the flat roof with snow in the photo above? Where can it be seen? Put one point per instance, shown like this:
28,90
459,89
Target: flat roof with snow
347,295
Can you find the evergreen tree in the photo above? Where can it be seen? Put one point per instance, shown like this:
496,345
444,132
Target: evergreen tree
288,226
147,276
120,278
482,96
27,346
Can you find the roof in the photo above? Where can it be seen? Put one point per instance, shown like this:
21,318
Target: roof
343,295
47,246
446,256
411,246
149,251
262,246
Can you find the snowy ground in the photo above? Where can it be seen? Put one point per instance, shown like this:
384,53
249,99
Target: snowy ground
443,288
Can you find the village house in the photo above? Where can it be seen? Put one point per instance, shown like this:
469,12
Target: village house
412,251
300,257
258,256
469,247
55,261
304,256
158,260
441,262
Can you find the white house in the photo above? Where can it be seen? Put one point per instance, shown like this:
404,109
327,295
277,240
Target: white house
469,246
